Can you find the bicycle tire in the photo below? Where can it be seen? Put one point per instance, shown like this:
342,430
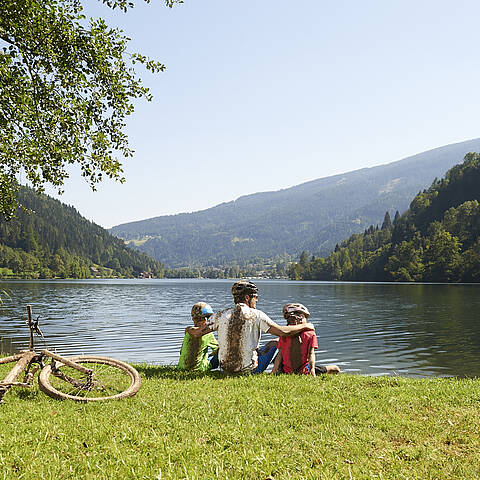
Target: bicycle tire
117,380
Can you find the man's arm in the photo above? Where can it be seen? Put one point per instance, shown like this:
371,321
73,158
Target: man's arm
289,330
311,362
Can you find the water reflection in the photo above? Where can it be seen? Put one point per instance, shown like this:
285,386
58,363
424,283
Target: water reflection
372,329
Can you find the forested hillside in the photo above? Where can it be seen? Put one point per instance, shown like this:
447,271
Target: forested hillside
436,240
49,239
313,216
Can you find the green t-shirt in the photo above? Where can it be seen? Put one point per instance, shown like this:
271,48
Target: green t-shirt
194,353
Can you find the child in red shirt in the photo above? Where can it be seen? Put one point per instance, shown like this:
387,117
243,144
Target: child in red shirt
297,354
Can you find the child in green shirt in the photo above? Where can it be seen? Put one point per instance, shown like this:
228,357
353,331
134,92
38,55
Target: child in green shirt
194,352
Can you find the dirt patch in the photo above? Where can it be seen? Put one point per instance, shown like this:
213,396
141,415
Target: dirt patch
232,362
296,354
193,351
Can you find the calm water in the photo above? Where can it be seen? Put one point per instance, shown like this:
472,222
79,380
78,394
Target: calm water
370,329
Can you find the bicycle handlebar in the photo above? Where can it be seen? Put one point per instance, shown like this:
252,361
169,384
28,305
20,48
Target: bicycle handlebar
33,326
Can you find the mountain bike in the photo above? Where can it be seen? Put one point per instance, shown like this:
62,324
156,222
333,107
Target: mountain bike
83,378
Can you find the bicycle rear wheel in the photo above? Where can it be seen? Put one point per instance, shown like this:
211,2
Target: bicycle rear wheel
111,380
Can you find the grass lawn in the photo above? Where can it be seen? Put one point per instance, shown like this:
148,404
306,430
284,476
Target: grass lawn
194,426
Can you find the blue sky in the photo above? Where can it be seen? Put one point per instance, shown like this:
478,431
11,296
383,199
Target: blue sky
268,94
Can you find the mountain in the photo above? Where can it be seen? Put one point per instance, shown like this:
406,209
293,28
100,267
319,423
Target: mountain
436,240
49,239
313,216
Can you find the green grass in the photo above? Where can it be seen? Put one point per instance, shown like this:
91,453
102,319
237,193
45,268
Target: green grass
194,426
137,242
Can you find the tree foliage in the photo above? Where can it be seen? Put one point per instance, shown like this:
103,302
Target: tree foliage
53,240
66,87
436,240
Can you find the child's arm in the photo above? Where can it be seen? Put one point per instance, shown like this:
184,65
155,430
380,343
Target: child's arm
198,331
311,362
209,327
277,362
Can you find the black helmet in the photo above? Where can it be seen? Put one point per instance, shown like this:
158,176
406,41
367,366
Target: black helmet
244,287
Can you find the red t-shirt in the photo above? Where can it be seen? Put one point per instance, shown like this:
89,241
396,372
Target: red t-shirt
295,351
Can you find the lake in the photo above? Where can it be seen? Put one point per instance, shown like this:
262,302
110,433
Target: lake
417,330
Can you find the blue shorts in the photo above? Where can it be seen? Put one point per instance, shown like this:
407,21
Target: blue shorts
214,361
265,356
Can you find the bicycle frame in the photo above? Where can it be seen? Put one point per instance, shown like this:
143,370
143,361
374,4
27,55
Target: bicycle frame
107,379
23,363
25,358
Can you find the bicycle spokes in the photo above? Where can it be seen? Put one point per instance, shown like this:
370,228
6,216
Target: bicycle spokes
103,381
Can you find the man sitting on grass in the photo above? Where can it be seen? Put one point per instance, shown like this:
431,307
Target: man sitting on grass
194,353
239,330
297,354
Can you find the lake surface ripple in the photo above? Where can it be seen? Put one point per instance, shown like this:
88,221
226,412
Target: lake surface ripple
370,329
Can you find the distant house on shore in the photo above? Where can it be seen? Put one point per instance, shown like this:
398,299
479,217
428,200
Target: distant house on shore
94,271
146,275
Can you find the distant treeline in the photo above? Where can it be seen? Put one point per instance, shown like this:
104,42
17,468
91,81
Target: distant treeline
48,239
436,240
257,268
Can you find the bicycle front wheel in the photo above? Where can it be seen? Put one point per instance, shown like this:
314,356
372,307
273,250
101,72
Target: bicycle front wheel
111,380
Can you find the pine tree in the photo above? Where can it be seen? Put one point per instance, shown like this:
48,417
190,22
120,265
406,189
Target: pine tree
387,223
303,259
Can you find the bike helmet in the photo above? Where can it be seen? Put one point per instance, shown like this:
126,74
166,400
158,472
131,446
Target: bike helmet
292,308
201,309
244,287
